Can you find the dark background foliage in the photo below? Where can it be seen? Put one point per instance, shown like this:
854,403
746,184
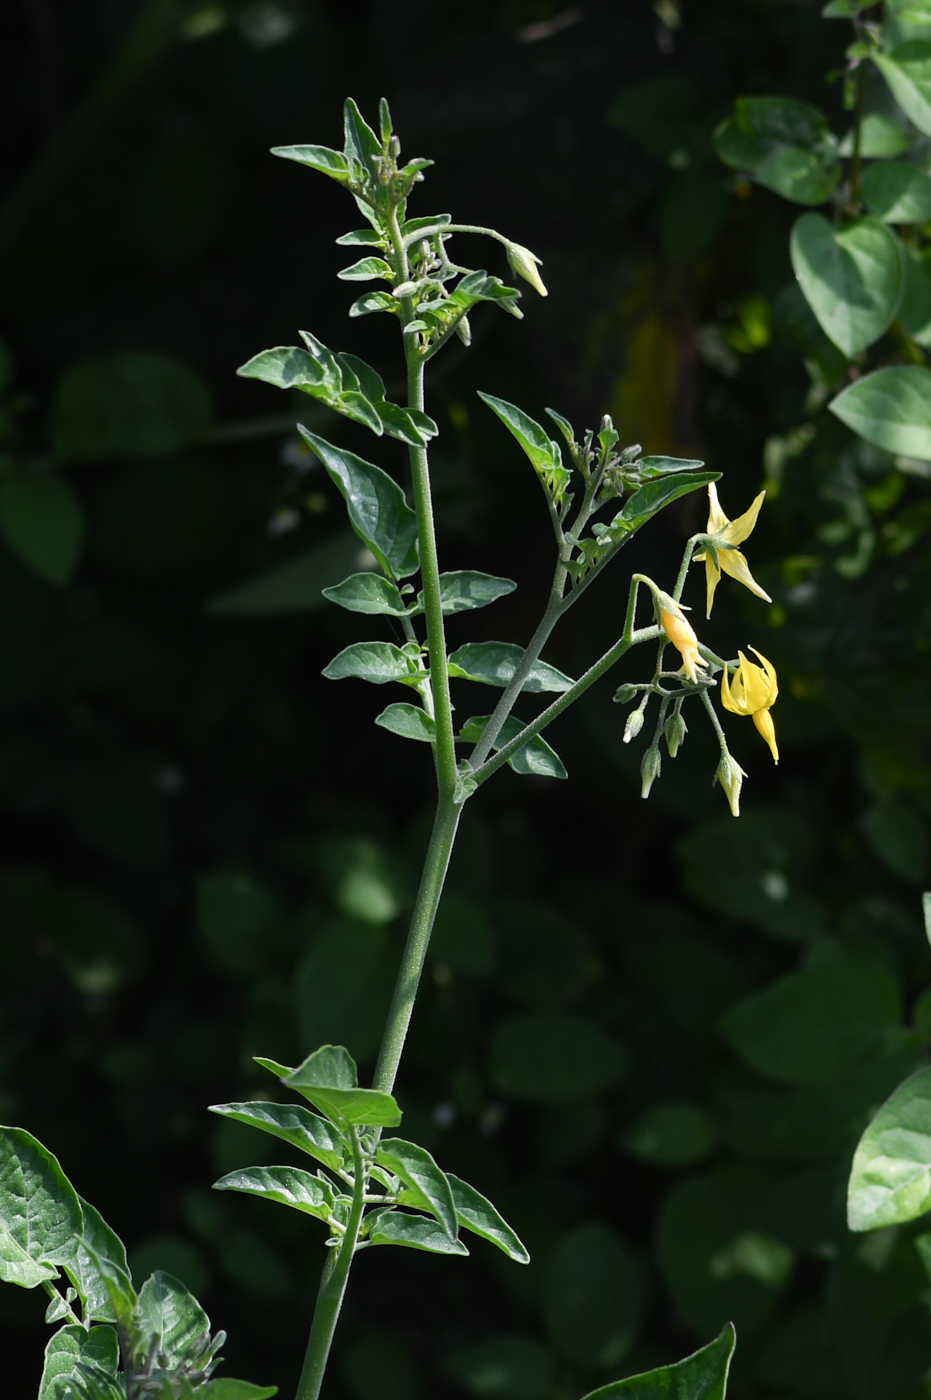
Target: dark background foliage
650,1033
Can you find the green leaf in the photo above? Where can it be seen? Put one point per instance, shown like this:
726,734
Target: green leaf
67,1349
890,1181
408,721
783,144
98,1241
169,1316
651,498
366,270
416,1231
363,237
225,1388
881,137
42,521
552,1057
361,143
701,1376
290,367
296,586
329,1080
915,310
671,1134
375,301
896,192
368,593
907,71
289,1186
476,1213
535,757
651,468
419,1171
135,404
890,408
40,1214
504,1367
377,662
543,453
467,589
494,663
291,1123
332,163
811,1025
377,510
852,280
593,1296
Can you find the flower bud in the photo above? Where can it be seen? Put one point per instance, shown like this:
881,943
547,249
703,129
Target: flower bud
464,331
525,264
633,726
730,775
674,732
649,770
624,694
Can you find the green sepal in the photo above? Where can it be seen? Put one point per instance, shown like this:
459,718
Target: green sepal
409,722
494,663
377,509
288,1186
890,1180
322,158
366,270
329,1080
375,662
535,758
701,1376
40,1212
417,1169
292,1124
367,593
467,589
652,497
72,1349
415,1231
476,1213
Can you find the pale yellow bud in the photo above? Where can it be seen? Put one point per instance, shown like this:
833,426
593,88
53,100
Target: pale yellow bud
525,264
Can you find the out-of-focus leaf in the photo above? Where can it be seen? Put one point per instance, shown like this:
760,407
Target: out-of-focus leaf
42,521
852,279
890,408
897,193
594,1296
890,1181
296,586
137,404
549,1056
907,71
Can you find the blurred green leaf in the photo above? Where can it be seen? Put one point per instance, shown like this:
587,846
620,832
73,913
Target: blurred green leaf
671,1134
237,920
42,521
300,585
852,279
342,985
494,663
890,1181
545,958
377,510
40,1214
378,1365
137,404
899,838
907,71
701,1376
783,144
503,1367
594,1296
293,1124
891,408
897,193
288,1186
549,1056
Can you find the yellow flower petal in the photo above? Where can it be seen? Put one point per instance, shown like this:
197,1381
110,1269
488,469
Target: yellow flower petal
733,563
764,723
753,691
680,633
736,531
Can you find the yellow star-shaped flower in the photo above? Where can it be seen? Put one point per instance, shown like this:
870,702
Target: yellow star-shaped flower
753,691
728,534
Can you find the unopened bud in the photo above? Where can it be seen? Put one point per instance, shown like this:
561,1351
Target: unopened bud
624,694
464,330
674,733
649,770
633,726
525,264
730,775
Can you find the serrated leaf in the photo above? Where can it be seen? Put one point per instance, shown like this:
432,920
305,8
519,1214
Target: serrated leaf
366,270
367,593
42,521
40,1213
329,1080
408,721
891,408
417,1169
535,757
467,589
476,1213
896,192
291,1123
542,452
494,663
907,71
375,662
415,1231
890,1181
289,1186
377,510
332,163
701,1376
652,497
65,1352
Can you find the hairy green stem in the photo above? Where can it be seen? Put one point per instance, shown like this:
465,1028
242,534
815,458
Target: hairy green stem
333,1286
